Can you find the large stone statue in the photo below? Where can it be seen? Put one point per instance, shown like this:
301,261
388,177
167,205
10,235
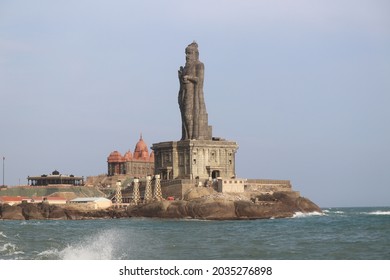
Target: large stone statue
197,155
191,99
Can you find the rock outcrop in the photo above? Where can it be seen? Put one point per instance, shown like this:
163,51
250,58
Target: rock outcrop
31,211
8,212
200,204
224,207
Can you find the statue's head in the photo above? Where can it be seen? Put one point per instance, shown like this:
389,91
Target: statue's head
192,53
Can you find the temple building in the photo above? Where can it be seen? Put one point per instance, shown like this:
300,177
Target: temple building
55,178
137,164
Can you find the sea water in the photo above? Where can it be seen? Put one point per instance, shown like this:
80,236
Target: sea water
335,234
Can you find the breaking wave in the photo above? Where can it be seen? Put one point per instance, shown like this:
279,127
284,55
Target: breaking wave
105,245
328,211
49,254
379,213
309,214
9,249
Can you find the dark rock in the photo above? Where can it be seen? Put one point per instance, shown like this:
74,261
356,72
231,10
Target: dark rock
250,210
306,205
57,213
177,209
277,205
212,209
31,211
155,209
118,213
11,213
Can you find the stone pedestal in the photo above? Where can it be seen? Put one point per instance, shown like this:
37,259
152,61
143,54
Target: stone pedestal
191,159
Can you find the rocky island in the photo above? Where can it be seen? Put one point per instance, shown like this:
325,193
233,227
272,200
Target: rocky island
200,203
194,178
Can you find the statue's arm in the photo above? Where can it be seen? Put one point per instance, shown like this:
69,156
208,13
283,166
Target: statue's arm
180,73
180,95
199,74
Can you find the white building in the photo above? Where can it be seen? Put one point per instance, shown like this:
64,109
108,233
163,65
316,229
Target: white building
233,185
92,202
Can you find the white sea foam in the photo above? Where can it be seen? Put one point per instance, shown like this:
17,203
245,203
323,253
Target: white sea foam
330,211
101,246
379,213
10,249
2,234
49,253
309,214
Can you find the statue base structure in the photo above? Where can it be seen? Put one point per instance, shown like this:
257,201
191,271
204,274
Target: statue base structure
195,159
193,163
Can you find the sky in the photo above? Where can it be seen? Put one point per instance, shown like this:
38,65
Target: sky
302,86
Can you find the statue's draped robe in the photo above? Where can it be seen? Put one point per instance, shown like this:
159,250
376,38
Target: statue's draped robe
192,104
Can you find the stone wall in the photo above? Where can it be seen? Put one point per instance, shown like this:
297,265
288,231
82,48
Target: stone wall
176,188
139,168
266,185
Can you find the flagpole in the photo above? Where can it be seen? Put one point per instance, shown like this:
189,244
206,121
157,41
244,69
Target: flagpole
3,170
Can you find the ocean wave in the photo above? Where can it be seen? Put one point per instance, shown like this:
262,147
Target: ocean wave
10,249
2,234
330,211
309,214
378,213
104,245
49,254
31,223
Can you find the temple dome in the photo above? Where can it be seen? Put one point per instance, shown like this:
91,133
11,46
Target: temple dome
115,156
151,158
141,150
128,156
145,154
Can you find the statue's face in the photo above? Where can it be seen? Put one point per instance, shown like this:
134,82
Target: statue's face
190,55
